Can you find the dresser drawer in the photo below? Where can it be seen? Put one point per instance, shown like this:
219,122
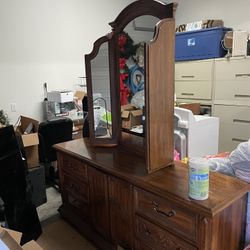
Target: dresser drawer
73,167
234,125
194,89
235,91
166,213
236,70
79,190
156,237
194,71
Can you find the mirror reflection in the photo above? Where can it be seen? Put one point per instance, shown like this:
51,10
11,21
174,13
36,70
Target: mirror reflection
132,41
101,93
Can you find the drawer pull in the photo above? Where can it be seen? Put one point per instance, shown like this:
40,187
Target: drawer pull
169,214
238,140
242,75
242,96
189,94
146,230
187,76
74,168
241,121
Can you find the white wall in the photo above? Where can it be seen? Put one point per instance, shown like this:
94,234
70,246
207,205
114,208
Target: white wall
235,14
45,41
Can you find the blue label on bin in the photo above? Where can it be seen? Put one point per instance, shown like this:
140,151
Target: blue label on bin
191,42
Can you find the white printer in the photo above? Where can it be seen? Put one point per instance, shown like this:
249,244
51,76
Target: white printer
195,135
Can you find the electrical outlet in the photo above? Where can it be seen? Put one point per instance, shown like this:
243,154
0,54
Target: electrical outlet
13,107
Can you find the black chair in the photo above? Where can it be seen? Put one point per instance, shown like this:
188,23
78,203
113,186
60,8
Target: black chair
20,213
50,133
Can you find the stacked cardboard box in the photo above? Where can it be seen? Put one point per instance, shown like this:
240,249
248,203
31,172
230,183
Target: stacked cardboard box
131,116
28,130
10,240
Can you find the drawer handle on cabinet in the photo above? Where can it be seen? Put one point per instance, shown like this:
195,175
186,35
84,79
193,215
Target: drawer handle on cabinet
186,76
242,96
241,121
238,140
74,168
242,75
146,230
189,94
169,214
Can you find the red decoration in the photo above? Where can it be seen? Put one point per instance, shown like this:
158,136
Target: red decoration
126,49
122,40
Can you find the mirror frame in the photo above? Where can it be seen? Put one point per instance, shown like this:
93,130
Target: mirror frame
136,9
112,141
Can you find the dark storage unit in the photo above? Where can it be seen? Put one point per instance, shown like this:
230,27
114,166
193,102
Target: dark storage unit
37,179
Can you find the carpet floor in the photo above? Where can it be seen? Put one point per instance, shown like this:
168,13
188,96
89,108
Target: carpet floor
57,233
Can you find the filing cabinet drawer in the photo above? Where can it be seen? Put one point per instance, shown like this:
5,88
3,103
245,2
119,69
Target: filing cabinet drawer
235,69
194,90
166,213
234,125
236,91
193,71
156,237
73,167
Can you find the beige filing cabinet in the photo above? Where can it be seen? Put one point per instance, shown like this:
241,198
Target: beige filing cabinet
194,81
232,101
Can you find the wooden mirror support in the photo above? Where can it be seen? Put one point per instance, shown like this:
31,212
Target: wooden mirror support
156,145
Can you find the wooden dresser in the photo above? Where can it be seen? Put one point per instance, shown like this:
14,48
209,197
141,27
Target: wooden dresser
109,197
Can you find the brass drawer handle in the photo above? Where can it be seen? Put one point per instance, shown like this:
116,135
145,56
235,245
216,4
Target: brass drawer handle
242,96
74,168
189,94
238,140
169,214
75,188
187,76
242,75
146,230
241,121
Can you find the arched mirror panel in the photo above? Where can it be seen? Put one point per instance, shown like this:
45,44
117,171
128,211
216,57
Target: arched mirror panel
99,85
130,79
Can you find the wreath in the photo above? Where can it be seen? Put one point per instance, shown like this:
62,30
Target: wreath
127,49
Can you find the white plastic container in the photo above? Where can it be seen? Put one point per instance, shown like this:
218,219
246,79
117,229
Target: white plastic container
60,96
198,179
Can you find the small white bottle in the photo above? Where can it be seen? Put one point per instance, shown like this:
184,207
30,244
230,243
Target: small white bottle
198,185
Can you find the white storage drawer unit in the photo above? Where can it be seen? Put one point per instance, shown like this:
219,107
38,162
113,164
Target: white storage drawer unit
234,125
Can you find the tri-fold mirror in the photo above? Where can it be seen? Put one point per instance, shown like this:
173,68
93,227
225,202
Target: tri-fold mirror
130,83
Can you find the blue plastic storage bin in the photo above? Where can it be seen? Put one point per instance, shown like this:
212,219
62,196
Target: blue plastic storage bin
199,44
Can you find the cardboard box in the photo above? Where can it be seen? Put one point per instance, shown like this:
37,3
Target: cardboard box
131,116
60,96
194,107
28,129
202,24
79,95
10,240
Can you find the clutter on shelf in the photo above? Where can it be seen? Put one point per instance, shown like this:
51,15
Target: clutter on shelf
4,120
197,25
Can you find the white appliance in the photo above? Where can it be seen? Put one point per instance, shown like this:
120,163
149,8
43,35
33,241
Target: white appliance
195,135
60,96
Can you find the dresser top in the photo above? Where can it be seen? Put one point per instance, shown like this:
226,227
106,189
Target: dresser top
171,182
